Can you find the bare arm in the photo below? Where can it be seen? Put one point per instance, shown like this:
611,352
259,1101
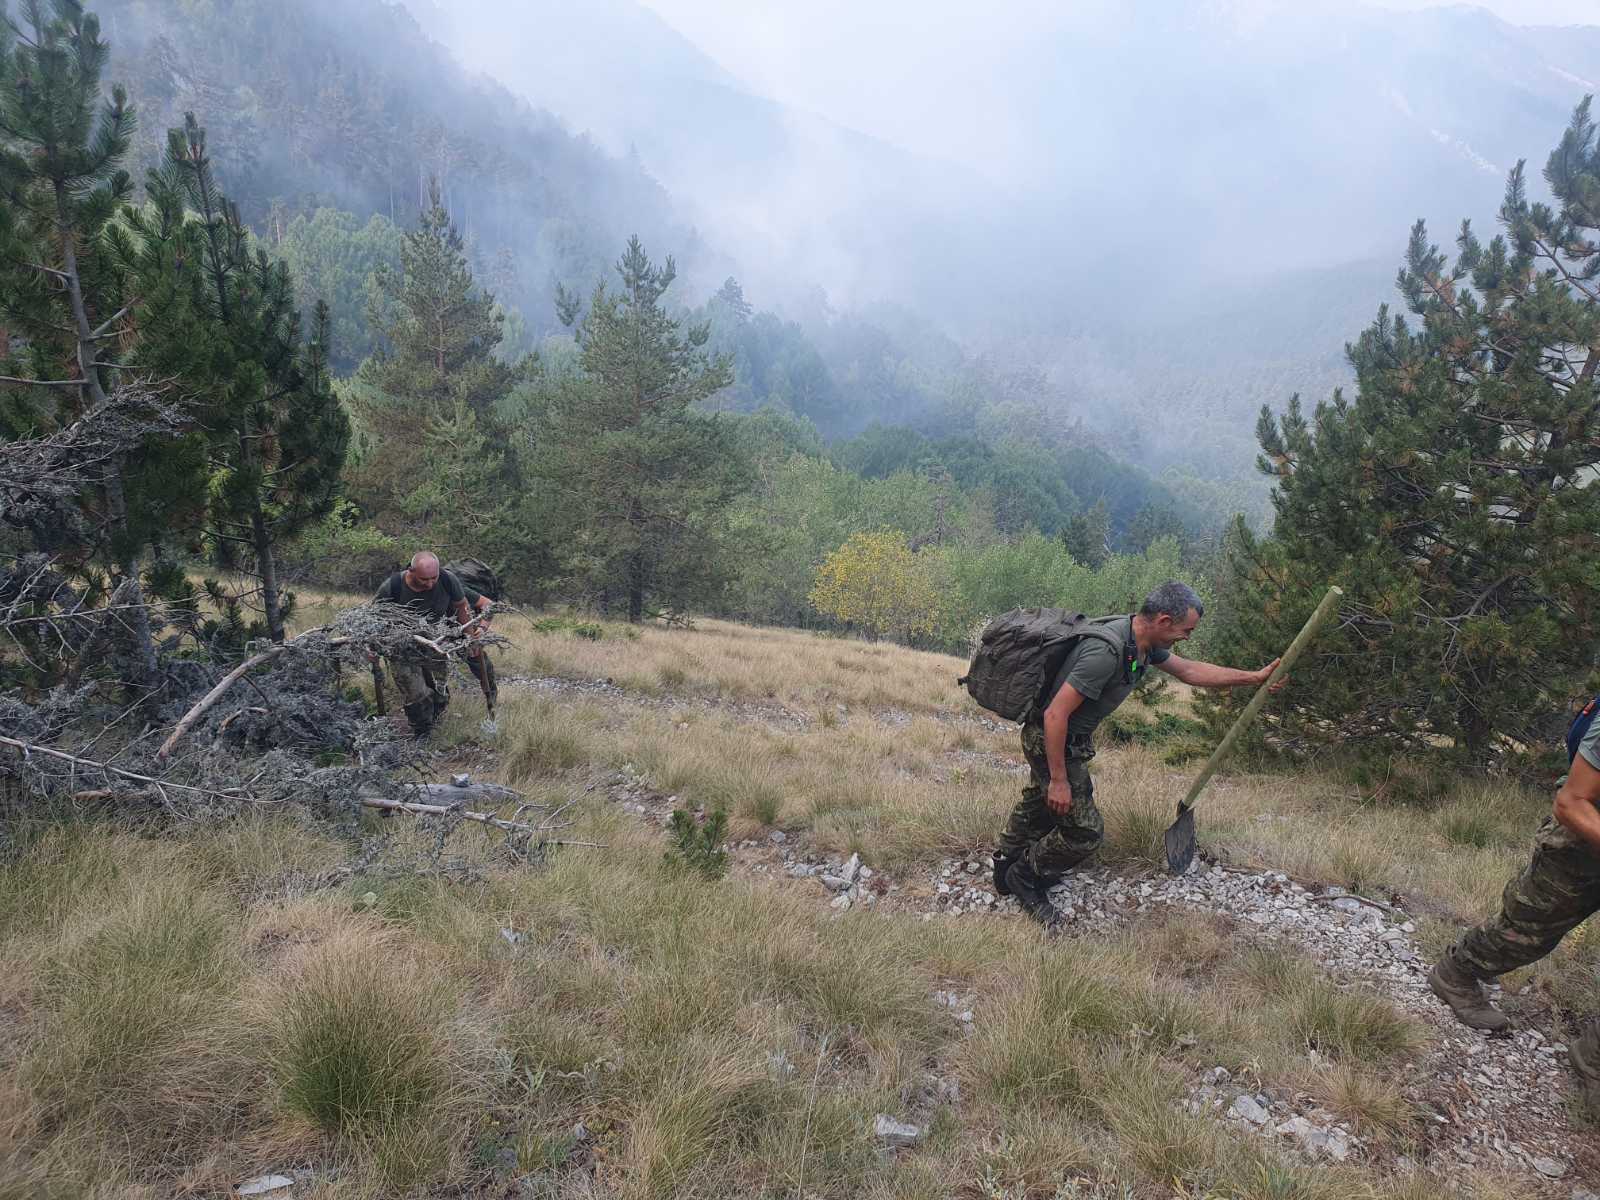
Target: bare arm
463,613
1576,801
1209,675
1056,718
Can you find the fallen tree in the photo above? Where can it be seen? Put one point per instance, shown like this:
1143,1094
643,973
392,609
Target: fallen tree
194,760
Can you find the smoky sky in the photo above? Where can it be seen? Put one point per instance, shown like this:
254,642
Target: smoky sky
938,76
1024,158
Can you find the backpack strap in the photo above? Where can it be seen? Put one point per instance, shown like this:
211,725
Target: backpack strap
1579,727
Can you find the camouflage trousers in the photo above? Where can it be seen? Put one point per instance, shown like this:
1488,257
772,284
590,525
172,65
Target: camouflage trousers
1052,843
1556,892
424,686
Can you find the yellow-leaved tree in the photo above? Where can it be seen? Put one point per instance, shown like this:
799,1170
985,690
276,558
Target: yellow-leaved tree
876,583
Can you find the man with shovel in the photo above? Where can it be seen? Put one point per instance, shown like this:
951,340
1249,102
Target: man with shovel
1056,825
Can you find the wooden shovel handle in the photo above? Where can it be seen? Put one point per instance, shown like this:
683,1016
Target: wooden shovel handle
1242,722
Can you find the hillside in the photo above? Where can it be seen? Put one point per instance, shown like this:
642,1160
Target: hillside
423,1009
350,105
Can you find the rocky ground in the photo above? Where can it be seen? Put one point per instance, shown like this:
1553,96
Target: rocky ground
1490,1102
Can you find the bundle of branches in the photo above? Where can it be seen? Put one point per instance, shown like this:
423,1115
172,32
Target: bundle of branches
194,761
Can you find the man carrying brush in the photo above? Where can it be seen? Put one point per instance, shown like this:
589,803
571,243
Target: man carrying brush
1056,825
421,676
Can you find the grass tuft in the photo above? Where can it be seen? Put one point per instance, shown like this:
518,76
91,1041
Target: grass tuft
358,1037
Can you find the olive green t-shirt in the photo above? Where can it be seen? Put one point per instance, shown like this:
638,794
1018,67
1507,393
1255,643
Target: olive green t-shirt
1097,673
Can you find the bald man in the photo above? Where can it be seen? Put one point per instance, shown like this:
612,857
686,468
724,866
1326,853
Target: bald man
422,678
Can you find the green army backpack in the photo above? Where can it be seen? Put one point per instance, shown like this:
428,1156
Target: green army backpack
1019,654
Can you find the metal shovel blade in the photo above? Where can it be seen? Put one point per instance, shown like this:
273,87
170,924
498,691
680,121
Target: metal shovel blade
1180,841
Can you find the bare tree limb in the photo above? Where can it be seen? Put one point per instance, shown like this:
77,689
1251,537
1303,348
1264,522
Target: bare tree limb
28,748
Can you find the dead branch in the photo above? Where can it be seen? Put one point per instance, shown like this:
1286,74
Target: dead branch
222,726
28,748
226,682
394,629
421,809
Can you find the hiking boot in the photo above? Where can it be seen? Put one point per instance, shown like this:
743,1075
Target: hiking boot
1460,989
1033,895
1002,864
1584,1055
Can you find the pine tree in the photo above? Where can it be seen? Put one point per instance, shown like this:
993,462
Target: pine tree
639,482
435,368
62,301
1087,535
730,298
1152,522
1452,498
221,321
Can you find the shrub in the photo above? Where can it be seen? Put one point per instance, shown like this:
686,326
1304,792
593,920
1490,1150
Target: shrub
697,846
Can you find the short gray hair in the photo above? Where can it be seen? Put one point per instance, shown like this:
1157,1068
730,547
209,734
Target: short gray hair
1172,599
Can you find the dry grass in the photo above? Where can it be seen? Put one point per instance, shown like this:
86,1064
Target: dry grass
176,1015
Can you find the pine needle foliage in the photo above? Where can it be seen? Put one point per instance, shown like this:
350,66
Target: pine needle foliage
1451,497
698,846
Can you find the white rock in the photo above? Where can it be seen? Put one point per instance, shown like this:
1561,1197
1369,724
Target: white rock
1337,1144
263,1184
1249,1110
841,901
896,1133
852,868
1297,1127
777,837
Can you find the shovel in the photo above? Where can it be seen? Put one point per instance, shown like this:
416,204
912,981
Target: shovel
484,670
1180,839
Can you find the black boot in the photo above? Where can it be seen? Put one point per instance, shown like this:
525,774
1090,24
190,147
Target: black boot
1033,895
1002,864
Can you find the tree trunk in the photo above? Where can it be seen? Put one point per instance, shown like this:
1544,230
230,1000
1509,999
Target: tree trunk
88,354
87,351
267,569
129,562
1475,733
636,588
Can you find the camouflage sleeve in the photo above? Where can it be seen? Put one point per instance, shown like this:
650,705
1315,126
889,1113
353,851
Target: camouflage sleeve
1090,667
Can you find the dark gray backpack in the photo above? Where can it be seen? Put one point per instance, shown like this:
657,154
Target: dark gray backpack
1020,653
477,575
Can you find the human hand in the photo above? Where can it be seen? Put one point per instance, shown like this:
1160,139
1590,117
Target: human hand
1059,796
1265,673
